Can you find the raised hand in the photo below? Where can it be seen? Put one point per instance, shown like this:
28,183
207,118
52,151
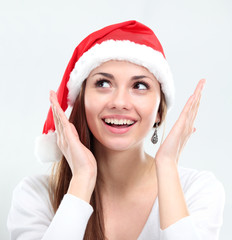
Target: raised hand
171,148
80,159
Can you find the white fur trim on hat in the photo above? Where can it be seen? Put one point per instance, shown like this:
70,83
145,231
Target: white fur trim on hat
46,148
139,54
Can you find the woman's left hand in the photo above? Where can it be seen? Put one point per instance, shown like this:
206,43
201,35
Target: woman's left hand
171,148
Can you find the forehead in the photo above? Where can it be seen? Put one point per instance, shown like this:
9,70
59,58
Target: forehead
119,66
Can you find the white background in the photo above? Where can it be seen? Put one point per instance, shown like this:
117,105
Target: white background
37,39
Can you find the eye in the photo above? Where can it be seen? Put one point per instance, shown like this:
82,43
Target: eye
102,83
141,86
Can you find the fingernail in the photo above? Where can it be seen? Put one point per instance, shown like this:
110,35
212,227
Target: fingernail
203,85
50,97
52,108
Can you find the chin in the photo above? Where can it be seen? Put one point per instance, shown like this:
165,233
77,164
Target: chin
118,144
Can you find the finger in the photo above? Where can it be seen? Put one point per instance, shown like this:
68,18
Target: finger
188,105
196,98
64,126
59,111
195,110
196,105
56,121
180,125
55,117
193,98
59,129
200,87
191,108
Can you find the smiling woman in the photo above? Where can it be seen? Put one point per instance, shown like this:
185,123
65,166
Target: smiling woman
128,92
103,184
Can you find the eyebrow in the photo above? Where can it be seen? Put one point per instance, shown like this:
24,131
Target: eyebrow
108,75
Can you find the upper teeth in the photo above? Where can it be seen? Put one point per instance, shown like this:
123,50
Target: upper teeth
118,121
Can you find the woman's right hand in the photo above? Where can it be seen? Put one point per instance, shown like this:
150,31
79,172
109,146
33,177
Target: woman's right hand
80,159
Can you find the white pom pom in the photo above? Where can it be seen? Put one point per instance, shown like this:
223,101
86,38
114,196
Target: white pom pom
46,148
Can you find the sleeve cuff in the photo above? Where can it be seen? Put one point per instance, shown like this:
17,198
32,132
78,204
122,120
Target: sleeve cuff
70,220
183,229
78,202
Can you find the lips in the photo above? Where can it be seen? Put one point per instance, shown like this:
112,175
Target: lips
119,117
118,122
117,125
118,129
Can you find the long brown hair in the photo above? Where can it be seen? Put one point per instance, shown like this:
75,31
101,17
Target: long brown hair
61,172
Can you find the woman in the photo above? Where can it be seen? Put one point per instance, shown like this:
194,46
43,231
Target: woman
104,186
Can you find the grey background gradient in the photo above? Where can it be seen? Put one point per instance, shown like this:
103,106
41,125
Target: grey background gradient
37,39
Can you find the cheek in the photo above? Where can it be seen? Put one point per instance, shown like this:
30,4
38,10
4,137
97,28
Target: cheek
90,106
148,110
93,108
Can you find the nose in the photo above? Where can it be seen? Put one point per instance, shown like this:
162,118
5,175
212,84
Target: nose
120,99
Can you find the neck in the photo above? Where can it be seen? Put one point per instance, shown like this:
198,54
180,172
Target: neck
121,172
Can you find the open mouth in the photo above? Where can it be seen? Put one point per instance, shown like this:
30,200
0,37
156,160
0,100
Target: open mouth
118,123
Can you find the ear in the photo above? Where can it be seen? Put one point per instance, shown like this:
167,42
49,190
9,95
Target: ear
157,117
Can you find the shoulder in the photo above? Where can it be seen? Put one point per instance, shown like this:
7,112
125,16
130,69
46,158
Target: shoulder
33,184
202,187
30,206
31,191
34,181
190,177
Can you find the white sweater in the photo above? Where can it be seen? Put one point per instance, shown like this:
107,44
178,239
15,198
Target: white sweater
31,215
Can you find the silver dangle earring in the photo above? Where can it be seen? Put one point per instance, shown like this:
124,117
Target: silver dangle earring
154,138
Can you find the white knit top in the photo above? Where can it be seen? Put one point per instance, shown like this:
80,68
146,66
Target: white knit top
31,215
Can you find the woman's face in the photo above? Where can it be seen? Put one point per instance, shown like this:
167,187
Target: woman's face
121,104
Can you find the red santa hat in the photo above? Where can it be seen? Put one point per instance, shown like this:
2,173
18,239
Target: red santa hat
131,41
